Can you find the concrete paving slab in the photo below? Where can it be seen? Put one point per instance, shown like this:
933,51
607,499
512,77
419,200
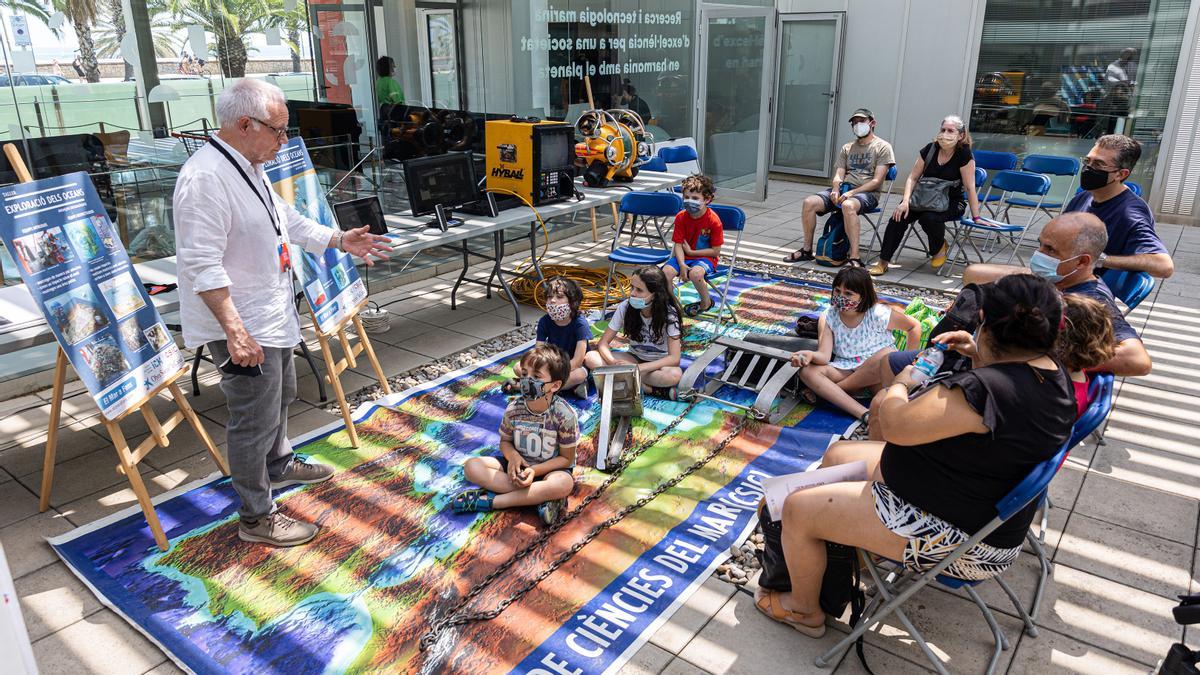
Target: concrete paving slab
1056,653
74,441
1125,556
693,615
53,598
438,343
649,660
306,387
1139,508
17,502
115,498
1126,621
485,326
393,360
25,544
1153,468
100,643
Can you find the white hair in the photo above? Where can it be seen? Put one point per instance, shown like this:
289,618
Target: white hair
247,97
956,121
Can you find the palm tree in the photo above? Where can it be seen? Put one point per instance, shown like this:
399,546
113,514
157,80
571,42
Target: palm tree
293,22
231,22
28,7
109,33
82,14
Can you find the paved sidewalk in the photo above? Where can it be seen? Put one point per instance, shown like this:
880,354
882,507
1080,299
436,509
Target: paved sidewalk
1123,530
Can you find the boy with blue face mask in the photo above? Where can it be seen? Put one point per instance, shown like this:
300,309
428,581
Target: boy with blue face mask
698,237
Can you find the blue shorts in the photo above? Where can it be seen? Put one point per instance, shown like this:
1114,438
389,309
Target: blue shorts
709,270
866,201
898,361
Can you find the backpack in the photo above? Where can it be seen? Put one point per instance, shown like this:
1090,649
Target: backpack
833,248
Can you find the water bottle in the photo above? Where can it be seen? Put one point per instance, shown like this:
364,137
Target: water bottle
928,362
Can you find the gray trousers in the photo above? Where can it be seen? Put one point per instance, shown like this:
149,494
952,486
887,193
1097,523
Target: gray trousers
258,444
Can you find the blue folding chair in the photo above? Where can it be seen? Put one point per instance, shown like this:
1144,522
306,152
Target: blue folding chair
1005,234
889,180
678,154
638,208
1100,404
733,219
901,584
1048,165
1131,288
1133,187
990,160
656,163
980,179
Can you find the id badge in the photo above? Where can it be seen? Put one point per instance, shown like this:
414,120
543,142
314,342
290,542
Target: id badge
285,258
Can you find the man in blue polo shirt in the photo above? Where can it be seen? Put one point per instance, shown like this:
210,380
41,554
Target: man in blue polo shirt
1133,243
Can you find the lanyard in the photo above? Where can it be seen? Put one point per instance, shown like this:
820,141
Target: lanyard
270,211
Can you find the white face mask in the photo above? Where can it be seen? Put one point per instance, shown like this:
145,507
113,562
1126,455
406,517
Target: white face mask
861,129
559,311
946,140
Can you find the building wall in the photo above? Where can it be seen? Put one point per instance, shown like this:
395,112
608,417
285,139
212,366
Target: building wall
910,61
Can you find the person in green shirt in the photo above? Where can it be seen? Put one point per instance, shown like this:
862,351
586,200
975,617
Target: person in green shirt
387,89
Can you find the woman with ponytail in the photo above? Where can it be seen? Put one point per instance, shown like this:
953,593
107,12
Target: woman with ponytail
953,447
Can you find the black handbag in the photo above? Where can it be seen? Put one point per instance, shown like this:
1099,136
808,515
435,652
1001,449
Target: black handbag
931,194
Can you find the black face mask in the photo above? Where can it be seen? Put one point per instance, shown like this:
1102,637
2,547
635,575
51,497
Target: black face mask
1093,179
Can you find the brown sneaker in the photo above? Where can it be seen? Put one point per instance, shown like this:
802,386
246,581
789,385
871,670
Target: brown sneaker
302,473
278,530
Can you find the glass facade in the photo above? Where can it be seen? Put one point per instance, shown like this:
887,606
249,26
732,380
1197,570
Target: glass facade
1053,76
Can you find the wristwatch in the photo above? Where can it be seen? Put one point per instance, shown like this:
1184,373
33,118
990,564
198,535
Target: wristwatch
1101,260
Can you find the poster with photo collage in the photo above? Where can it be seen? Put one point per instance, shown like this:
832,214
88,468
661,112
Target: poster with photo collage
330,281
76,268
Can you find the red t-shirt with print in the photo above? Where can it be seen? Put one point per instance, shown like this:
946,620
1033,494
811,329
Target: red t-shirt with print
702,232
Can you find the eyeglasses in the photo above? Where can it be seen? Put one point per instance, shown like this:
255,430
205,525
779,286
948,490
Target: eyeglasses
280,132
1093,164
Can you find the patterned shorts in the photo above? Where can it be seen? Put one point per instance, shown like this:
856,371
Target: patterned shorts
930,539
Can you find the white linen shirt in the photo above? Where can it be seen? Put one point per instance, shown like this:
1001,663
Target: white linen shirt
224,238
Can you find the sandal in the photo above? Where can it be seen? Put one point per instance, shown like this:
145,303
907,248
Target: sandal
855,262
550,512
768,603
694,310
799,256
472,501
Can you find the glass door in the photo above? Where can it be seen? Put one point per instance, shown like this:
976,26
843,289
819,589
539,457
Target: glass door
734,101
438,47
342,44
810,50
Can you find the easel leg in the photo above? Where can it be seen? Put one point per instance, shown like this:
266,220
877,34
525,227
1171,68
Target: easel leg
190,415
135,479
370,350
335,381
60,374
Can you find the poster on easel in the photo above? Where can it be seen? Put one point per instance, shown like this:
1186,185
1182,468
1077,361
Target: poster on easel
80,276
330,281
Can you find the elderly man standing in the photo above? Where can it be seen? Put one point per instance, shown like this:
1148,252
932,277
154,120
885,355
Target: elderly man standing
236,296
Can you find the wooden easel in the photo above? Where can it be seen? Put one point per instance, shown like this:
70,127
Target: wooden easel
128,458
334,369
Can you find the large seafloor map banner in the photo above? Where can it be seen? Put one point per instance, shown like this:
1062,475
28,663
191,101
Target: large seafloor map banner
79,274
330,281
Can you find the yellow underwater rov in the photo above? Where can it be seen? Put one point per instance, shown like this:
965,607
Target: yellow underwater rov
615,143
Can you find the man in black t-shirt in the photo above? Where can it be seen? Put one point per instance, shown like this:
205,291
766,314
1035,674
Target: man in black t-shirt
1068,248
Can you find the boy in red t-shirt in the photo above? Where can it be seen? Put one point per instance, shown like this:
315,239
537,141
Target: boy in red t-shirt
698,237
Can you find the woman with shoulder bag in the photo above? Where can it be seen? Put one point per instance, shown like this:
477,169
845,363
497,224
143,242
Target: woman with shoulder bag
933,194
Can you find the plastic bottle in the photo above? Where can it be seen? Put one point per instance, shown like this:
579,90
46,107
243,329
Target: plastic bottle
928,362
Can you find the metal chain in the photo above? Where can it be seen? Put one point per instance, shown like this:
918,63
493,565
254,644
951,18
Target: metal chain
454,618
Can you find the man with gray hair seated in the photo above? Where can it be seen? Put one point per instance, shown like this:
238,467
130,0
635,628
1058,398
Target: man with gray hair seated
236,296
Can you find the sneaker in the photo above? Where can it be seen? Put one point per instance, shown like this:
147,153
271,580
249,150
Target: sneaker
552,510
302,473
860,429
278,530
940,258
879,269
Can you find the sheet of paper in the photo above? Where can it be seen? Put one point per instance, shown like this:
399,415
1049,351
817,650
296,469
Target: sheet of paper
271,33
777,489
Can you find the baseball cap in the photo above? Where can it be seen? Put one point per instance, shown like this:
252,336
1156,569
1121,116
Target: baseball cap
862,112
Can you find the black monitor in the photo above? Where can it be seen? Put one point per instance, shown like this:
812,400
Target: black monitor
446,181
355,213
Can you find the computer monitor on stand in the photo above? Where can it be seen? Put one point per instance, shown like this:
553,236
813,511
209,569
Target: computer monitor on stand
439,184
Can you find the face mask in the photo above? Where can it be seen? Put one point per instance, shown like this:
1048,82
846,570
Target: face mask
946,140
559,312
531,388
1093,179
861,129
1046,266
843,304
638,303
693,206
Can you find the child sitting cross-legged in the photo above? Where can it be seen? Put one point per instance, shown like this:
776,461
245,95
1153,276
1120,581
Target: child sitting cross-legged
650,320
697,236
538,435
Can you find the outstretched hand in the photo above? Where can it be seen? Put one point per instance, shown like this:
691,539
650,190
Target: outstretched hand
362,243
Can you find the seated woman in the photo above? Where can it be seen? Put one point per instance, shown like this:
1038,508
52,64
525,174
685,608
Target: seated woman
1085,342
949,158
953,448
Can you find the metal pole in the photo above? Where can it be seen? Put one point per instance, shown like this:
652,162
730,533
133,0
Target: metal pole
11,87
